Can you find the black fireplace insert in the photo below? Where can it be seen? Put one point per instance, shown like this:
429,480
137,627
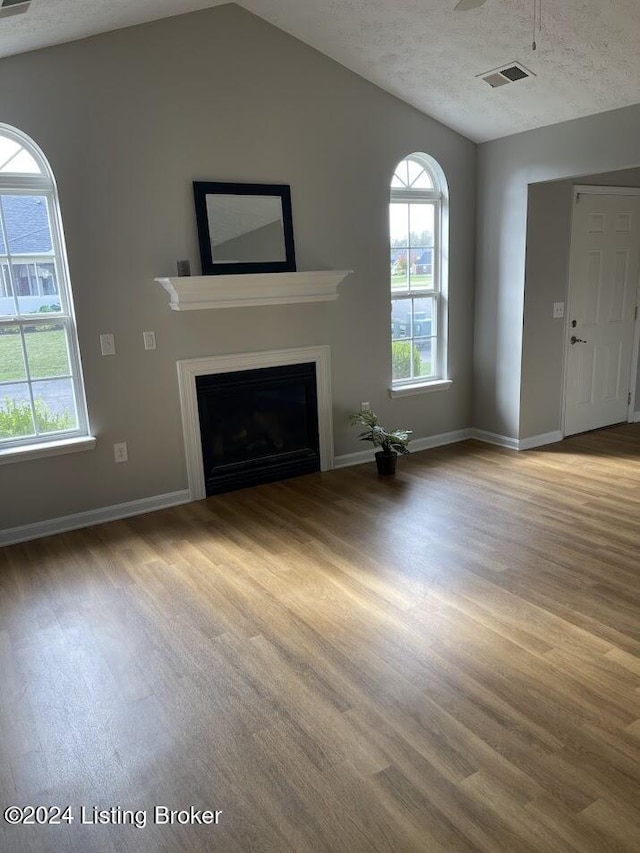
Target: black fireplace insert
258,426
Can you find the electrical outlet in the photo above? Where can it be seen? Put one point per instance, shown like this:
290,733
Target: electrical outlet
108,344
149,340
365,407
558,310
120,452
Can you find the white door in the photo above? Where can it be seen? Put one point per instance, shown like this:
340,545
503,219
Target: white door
603,281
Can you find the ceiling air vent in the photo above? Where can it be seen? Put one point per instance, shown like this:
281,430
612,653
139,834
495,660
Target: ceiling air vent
510,73
13,7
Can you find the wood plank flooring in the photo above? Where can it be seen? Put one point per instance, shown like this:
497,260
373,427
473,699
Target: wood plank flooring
443,662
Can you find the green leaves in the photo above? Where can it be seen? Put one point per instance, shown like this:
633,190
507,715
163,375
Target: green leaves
16,419
396,440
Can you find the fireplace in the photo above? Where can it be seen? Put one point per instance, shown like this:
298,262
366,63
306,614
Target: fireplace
296,440
258,426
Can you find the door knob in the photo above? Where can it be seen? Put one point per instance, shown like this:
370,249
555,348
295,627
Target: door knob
574,340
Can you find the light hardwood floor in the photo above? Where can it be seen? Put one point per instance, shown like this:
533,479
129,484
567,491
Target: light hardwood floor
445,662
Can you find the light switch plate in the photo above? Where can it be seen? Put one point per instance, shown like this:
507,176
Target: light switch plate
558,310
149,340
108,344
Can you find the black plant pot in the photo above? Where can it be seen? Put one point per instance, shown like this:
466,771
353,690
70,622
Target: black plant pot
386,463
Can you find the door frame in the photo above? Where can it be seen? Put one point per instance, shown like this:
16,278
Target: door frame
588,189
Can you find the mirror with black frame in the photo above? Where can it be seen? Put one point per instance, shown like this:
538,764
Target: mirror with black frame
244,228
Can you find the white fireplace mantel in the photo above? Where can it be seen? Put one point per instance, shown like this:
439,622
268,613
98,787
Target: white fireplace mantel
192,293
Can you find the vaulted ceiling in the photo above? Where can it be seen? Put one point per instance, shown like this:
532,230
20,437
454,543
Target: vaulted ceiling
587,58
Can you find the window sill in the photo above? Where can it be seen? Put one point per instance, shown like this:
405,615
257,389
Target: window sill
48,448
422,388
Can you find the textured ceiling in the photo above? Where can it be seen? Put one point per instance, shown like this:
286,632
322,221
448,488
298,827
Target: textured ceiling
587,61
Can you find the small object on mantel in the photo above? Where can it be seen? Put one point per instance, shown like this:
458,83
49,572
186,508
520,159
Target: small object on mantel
184,268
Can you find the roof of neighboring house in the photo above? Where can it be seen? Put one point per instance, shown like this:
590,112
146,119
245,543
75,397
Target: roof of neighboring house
425,256
26,224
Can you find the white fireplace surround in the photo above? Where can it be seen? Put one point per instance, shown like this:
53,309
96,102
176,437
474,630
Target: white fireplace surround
188,369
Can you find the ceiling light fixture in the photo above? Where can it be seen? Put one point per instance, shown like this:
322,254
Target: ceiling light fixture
537,4
467,5
13,7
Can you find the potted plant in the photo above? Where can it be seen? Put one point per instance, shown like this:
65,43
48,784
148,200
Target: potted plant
390,443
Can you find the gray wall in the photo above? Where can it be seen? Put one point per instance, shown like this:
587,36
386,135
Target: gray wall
128,120
546,282
506,167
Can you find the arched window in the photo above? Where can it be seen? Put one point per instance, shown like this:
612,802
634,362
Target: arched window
41,391
418,225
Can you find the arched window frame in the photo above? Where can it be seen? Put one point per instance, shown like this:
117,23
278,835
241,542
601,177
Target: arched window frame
41,442
436,195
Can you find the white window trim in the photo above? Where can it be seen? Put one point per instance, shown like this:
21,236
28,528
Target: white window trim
420,388
44,185
440,194
46,448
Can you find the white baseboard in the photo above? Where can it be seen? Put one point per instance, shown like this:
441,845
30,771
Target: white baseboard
540,440
441,440
430,441
494,438
26,532
515,443
93,516
346,460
